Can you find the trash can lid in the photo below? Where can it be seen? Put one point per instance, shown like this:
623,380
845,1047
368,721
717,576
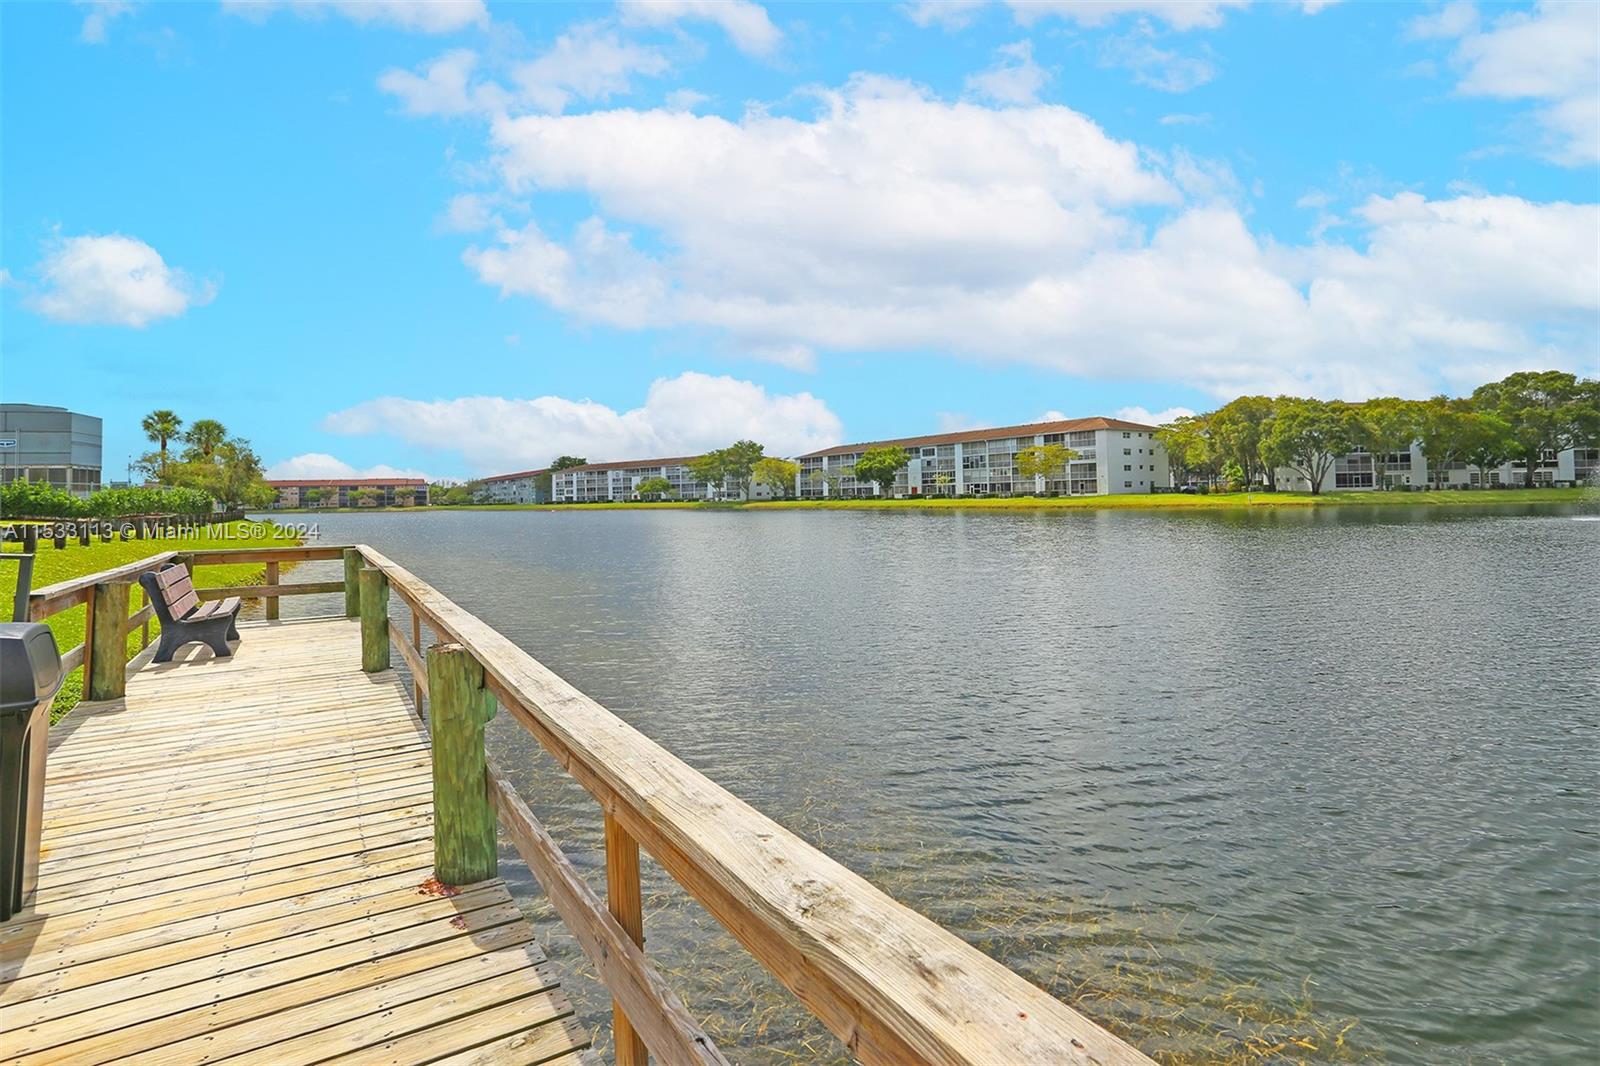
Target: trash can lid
30,665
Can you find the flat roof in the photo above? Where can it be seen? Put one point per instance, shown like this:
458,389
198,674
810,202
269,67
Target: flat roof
516,476
677,460
1070,425
346,482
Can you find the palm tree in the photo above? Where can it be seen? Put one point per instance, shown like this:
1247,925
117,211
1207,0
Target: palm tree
204,435
161,426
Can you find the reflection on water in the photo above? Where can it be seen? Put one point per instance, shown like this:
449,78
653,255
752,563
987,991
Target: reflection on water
1204,774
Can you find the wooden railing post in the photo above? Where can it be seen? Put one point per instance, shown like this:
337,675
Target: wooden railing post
416,644
374,620
272,601
352,583
625,900
106,650
464,848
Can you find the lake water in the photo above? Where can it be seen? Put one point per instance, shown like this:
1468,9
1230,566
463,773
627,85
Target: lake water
1218,778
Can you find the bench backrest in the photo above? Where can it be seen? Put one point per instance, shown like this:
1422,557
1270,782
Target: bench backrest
176,590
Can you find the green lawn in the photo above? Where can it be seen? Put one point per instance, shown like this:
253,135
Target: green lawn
51,566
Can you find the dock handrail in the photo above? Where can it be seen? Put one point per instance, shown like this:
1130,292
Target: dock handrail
893,985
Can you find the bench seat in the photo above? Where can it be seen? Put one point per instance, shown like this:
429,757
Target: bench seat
184,619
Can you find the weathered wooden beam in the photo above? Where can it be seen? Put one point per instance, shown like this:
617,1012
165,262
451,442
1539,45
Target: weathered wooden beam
291,554
53,599
625,899
105,678
374,589
352,583
893,985
657,1014
272,581
464,848
302,588
419,671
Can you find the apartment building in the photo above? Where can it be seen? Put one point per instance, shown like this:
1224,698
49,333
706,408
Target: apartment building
1112,456
611,482
351,492
1356,472
526,486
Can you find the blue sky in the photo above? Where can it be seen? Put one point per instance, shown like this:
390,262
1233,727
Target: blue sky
457,238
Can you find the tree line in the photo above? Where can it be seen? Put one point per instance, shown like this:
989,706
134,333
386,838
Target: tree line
1516,419
224,467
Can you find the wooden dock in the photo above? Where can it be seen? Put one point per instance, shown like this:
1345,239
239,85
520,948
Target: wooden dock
237,864
242,861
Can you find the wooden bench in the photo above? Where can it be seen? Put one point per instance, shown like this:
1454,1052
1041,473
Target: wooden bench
184,619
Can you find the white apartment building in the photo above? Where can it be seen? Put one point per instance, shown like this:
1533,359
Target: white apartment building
1113,456
1356,472
613,482
521,487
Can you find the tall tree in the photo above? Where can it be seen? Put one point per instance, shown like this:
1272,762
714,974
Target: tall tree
1043,460
739,463
1383,427
161,426
1237,429
542,482
1308,436
1442,431
1545,410
711,470
1486,442
204,435
880,465
1191,451
778,475
653,486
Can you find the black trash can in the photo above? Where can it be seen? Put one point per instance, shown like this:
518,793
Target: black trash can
30,674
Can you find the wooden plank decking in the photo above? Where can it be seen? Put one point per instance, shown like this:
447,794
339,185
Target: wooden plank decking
233,869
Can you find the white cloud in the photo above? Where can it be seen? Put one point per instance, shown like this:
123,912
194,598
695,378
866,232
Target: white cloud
111,280
1153,418
1182,119
746,24
468,212
1159,68
684,415
1551,55
894,221
957,422
100,15
417,16
950,14
1179,14
1014,79
322,466
588,62
444,87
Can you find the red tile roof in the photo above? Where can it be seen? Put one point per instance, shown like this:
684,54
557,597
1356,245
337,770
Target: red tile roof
964,436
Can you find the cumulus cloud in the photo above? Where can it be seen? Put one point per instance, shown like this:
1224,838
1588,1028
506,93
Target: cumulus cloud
1550,55
322,466
1164,69
1179,14
587,62
1014,79
417,16
746,24
1153,418
111,280
101,13
685,415
892,220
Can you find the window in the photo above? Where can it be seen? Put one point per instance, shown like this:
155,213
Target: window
1127,484
1127,451
1126,467
1127,436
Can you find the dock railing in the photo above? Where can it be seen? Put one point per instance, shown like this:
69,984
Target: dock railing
892,985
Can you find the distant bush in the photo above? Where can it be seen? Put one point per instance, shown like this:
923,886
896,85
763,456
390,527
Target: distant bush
114,503
38,499
35,499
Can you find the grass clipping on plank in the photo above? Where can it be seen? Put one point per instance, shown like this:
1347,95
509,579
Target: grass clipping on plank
51,565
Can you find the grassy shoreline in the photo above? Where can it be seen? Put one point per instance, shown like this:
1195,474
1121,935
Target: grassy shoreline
1166,501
